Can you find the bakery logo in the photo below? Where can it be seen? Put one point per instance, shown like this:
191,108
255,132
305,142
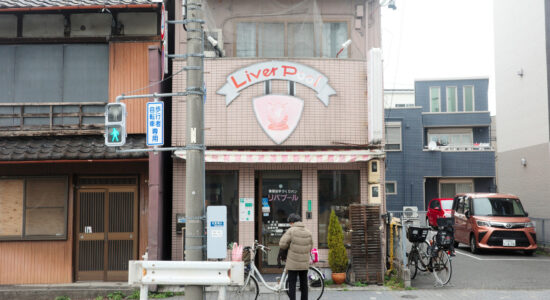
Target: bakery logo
278,115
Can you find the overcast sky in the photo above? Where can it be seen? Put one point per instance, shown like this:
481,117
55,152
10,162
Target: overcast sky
430,39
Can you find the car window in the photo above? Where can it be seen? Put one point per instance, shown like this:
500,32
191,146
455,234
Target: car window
460,206
502,207
467,204
434,204
447,204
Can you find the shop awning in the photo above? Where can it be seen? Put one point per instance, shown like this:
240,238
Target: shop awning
328,156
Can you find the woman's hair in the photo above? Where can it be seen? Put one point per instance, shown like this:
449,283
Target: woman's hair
293,218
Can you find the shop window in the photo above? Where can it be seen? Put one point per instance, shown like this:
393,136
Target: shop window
33,208
222,188
337,190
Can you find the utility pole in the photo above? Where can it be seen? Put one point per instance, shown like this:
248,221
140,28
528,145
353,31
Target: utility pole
194,138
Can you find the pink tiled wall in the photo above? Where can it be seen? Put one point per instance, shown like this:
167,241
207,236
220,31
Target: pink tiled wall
246,190
343,121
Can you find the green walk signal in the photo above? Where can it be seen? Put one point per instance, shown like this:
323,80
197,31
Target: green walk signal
115,124
114,133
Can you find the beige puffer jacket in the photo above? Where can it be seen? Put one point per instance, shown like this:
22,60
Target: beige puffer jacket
300,241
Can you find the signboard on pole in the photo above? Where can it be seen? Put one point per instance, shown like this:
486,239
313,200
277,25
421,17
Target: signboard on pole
155,123
216,231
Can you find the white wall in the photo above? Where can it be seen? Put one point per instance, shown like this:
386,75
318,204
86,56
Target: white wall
522,105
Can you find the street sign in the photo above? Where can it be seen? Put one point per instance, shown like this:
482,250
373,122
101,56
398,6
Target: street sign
155,123
115,124
216,231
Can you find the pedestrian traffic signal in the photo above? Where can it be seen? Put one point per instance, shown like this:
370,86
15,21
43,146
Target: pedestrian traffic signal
115,124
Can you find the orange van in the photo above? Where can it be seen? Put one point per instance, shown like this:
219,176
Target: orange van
493,221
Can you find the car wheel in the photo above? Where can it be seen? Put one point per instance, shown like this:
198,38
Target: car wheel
529,252
456,244
473,247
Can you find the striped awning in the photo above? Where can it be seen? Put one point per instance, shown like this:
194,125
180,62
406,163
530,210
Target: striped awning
329,156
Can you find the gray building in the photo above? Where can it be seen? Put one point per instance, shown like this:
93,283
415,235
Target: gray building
441,146
522,89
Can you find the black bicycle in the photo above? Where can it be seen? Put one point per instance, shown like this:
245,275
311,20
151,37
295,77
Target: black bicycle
435,257
417,257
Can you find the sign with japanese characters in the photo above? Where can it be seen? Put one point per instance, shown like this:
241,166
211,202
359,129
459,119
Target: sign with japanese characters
155,123
246,209
280,70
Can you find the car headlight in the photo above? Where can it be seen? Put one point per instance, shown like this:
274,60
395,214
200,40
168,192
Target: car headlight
529,224
483,223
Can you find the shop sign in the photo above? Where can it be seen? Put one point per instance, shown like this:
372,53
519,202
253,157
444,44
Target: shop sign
278,115
280,70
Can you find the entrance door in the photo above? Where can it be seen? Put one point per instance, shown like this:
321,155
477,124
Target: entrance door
281,191
106,228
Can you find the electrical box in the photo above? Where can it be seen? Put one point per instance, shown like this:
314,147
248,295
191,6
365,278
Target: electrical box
374,194
374,171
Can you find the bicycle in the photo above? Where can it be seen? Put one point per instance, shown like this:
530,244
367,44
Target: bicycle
419,250
250,289
436,253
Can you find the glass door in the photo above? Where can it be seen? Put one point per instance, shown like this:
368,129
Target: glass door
279,193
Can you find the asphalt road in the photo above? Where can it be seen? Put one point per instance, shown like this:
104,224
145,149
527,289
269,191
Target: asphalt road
495,270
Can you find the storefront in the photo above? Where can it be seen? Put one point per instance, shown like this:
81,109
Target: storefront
275,148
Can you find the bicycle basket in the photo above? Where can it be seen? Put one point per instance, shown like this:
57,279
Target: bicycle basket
443,239
416,234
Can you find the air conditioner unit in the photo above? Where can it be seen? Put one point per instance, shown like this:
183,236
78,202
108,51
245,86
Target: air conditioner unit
410,212
374,171
209,50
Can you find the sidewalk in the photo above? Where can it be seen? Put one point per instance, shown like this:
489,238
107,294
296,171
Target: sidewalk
91,290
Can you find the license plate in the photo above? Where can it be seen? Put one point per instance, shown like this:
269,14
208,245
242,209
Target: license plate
509,243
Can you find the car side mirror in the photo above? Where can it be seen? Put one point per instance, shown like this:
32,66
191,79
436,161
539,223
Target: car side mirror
526,214
467,214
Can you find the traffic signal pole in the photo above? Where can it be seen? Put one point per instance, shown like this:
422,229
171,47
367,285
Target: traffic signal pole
194,136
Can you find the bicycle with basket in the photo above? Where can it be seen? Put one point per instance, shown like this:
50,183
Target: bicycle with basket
433,256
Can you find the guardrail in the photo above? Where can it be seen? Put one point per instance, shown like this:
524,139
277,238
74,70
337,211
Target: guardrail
149,272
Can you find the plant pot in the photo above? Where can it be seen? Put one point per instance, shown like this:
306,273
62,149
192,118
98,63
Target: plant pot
338,278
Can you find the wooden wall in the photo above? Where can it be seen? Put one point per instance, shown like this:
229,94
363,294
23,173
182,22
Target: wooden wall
33,262
129,75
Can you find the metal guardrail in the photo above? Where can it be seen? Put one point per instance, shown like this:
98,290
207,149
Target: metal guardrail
206,273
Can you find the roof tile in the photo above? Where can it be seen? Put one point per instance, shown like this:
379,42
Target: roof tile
67,147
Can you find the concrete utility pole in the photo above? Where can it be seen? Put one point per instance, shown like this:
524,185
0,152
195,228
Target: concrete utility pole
194,173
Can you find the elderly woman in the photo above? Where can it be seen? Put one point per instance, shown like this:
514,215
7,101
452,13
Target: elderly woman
298,241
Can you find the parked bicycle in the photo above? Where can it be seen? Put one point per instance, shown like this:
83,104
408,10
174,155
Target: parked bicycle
250,289
435,257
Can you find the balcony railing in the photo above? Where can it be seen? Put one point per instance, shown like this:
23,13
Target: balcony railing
60,118
474,147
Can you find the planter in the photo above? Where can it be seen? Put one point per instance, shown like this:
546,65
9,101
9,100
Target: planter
338,278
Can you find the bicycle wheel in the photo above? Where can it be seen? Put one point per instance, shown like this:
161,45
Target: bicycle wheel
423,256
248,291
442,267
315,282
412,262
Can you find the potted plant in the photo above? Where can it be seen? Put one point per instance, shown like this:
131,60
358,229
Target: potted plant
337,256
